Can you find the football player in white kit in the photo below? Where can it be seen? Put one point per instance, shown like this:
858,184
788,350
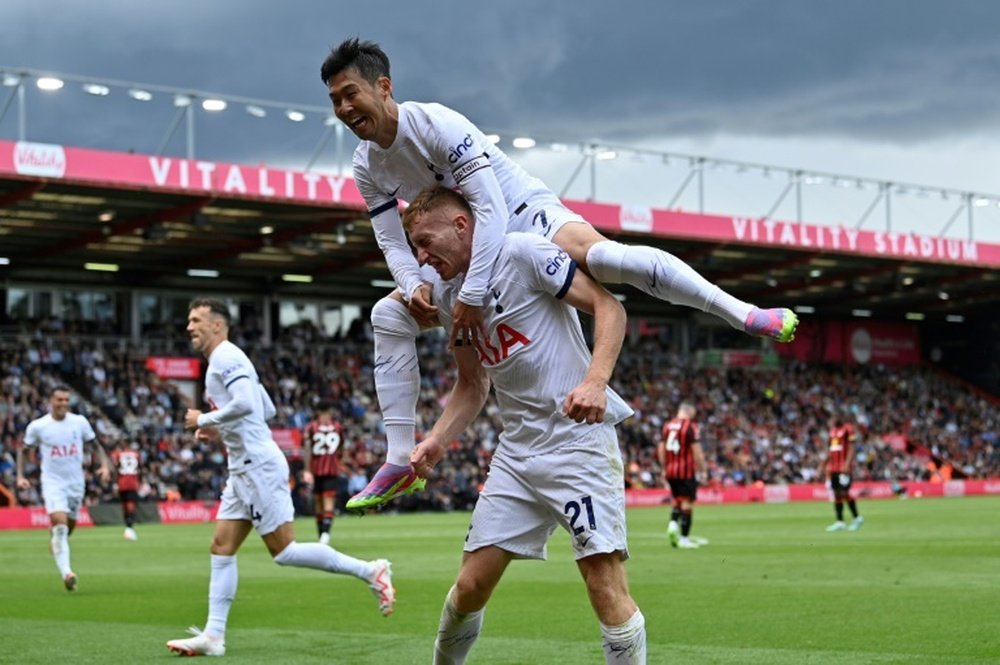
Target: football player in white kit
256,494
557,463
408,146
59,437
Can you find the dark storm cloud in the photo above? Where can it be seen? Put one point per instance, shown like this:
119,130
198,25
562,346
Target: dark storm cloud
896,70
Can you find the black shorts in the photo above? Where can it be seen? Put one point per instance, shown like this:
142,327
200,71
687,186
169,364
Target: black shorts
683,488
840,482
325,484
128,495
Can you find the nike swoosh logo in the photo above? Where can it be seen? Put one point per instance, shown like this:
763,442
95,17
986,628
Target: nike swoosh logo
393,192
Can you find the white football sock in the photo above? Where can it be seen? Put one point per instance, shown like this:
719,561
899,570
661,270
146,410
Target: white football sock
60,548
664,276
323,557
625,644
457,632
397,376
221,592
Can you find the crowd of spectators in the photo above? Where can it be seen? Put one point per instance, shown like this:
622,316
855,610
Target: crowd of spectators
757,425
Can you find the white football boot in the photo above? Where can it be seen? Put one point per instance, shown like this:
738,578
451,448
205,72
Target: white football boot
381,585
674,533
199,645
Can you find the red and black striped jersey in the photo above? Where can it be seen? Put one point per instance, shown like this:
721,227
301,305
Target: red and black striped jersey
679,435
127,465
841,445
324,440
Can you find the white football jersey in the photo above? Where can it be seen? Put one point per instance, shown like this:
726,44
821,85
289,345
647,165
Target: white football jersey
246,435
535,353
437,145
60,443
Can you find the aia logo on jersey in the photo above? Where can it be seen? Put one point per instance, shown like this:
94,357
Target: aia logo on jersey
554,263
457,151
65,451
509,340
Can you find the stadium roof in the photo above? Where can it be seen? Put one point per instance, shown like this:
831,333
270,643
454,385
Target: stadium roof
158,219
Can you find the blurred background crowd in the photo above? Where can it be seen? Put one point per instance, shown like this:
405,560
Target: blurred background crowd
757,425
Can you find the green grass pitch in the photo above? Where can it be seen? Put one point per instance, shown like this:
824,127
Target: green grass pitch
917,584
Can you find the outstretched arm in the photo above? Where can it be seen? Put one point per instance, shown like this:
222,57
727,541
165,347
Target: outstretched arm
383,209
105,469
485,196
588,401
22,482
464,403
700,467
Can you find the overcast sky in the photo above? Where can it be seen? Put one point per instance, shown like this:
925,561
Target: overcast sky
904,90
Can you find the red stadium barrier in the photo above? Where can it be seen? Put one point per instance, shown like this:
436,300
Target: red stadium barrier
181,512
815,492
35,517
170,512
186,512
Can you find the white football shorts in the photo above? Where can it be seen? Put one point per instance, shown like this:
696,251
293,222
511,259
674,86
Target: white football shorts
62,497
580,487
543,219
259,495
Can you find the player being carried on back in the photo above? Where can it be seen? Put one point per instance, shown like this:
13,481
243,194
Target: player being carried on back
406,147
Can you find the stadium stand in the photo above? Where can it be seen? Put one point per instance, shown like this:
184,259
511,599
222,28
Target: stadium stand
758,425
103,249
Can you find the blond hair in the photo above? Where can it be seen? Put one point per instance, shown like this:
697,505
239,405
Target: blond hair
431,199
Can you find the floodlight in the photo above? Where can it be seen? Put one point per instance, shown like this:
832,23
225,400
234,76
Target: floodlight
49,83
96,89
214,105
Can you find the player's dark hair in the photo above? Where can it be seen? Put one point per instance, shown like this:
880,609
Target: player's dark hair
60,388
324,407
432,198
214,305
366,57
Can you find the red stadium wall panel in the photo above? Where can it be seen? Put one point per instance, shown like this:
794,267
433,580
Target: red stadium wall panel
133,171
854,343
815,492
791,235
35,517
174,367
172,512
44,161
186,512
289,440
